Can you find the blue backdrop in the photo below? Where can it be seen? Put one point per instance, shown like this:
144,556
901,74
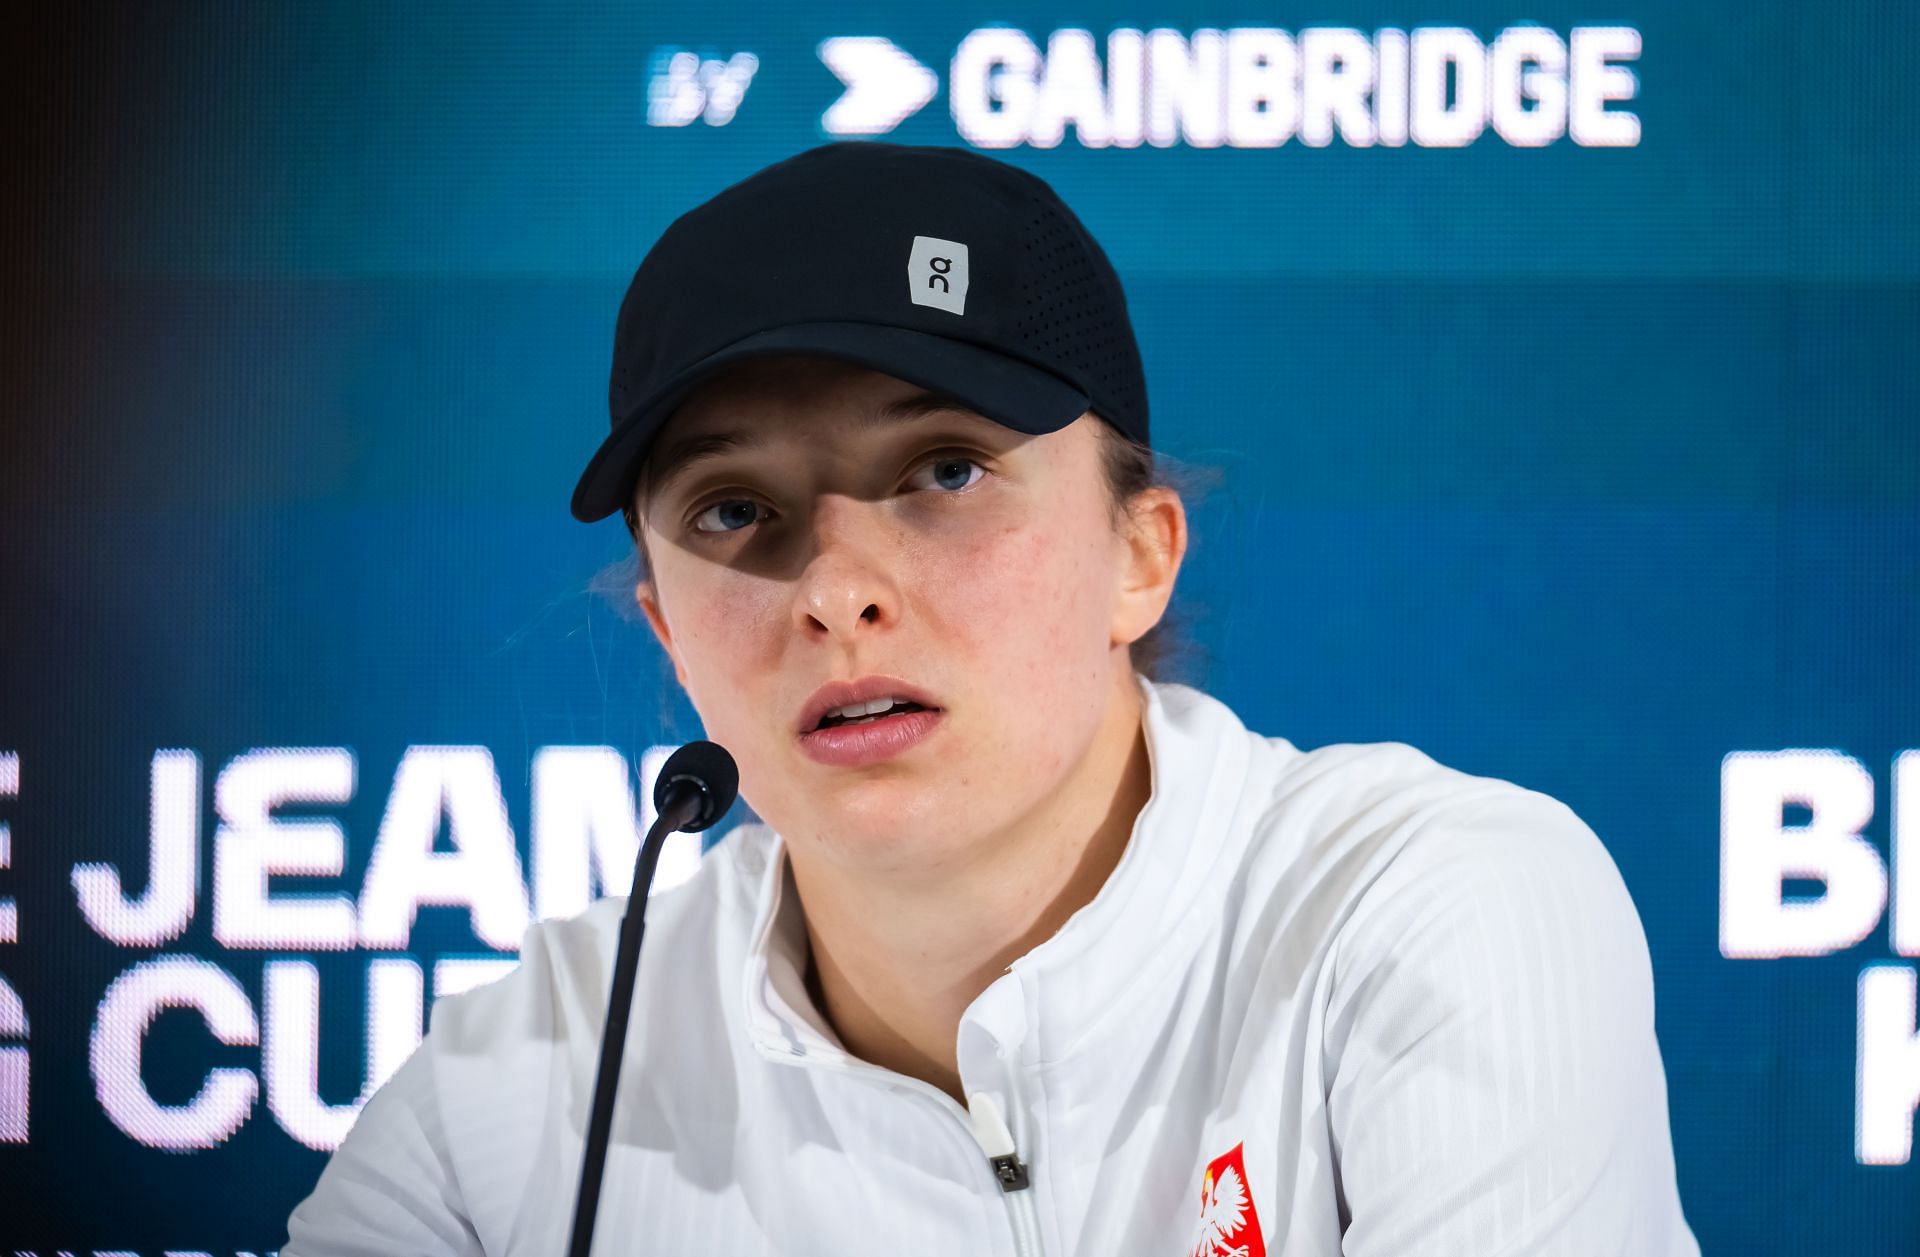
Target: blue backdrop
1586,463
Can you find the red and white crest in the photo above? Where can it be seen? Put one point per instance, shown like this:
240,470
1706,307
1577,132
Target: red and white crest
1229,1225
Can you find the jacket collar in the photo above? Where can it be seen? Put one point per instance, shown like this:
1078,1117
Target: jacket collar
1198,753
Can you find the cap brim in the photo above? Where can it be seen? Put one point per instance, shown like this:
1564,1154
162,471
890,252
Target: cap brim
1006,390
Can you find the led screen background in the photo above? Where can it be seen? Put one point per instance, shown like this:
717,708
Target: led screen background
1587,465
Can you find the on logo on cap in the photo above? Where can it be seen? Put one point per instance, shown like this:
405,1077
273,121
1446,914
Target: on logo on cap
937,274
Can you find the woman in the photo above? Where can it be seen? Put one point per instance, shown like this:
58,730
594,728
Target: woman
1032,954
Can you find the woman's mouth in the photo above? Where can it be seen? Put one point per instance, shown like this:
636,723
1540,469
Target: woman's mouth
865,713
869,733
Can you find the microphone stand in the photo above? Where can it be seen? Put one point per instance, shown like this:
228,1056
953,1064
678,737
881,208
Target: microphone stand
683,803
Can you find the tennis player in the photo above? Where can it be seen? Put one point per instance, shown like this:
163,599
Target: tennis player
1032,954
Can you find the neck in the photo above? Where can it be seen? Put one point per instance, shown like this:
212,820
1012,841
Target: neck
893,967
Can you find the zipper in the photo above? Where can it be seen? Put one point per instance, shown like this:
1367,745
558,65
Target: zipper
984,1123
991,1133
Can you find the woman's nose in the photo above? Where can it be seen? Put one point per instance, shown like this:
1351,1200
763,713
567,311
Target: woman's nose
849,583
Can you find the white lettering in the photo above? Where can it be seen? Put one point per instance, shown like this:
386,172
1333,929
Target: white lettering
1758,852
1126,87
13,1067
1887,1079
686,86
9,789
251,845
483,872
1436,123
726,84
995,65
1904,853
1070,92
1336,77
395,1003
1592,82
1262,87
1258,86
173,863
1528,63
119,1033
1186,96
1390,87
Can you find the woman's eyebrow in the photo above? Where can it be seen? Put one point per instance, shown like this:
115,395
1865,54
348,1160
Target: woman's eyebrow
688,452
913,406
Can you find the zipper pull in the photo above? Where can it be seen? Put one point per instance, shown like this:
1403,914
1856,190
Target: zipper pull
991,1133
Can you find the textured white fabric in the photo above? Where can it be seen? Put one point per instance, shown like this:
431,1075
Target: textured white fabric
1418,1002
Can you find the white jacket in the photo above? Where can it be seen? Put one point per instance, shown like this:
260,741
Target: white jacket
1340,1001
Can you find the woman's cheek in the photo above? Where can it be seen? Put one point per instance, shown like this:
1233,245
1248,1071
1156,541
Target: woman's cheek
727,644
1023,591
983,579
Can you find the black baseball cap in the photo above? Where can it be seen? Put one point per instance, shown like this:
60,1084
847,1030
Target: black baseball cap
943,267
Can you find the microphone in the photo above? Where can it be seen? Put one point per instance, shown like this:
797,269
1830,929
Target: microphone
695,788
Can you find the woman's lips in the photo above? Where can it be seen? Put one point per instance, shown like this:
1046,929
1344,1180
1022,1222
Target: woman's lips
835,695
870,741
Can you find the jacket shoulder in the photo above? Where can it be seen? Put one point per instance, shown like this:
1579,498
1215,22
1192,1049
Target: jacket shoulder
1353,832
559,988
1381,796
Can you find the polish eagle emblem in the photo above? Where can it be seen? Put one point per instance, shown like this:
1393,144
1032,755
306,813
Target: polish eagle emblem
1228,1226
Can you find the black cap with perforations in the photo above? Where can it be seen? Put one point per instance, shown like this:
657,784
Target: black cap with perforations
943,267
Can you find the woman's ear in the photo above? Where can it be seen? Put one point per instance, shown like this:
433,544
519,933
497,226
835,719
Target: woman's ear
649,600
1156,542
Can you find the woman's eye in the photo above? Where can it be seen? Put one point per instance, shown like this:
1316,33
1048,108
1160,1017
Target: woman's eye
728,516
950,473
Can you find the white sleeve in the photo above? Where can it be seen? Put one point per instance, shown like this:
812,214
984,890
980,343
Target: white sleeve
1494,1085
389,1187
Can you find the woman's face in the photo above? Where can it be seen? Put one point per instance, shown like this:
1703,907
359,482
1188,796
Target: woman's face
800,532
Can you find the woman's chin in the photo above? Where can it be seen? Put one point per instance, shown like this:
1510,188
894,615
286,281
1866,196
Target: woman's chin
889,824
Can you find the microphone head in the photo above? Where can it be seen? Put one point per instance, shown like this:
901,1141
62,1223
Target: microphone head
707,766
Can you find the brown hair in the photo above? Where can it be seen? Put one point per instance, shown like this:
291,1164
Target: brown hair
1130,466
